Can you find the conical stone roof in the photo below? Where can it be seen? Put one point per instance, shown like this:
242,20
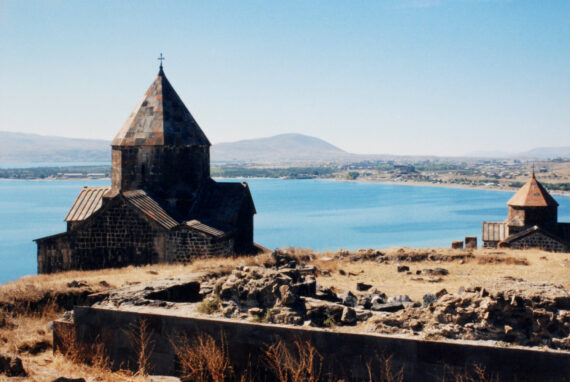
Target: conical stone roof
532,194
160,118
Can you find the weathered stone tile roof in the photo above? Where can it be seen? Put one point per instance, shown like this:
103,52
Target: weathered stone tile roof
199,226
160,118
532,194
88,201
147,205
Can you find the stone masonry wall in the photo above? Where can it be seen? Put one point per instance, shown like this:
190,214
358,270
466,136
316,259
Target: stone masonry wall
55,254
116,237
530,216
159,169
185,245
539,240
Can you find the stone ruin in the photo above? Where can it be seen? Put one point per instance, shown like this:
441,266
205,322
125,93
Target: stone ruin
284,291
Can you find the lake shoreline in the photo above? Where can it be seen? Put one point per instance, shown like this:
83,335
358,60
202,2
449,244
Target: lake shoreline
372,181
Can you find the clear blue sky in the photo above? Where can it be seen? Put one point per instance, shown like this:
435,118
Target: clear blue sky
402,77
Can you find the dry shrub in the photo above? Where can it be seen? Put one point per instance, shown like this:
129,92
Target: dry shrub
214,267
302,255
22,329
302,364
202,359
477,374
50,310
140,337
94,354
260,260
325,266
386,372
79,360
509,260
210,304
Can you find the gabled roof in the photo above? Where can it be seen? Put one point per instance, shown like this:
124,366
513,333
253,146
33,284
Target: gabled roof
88,201
150,208
532,194
160,118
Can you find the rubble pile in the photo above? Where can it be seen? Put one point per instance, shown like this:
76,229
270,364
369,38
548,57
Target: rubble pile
284,291
512,311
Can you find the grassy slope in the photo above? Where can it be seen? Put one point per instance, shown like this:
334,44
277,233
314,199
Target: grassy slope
27,305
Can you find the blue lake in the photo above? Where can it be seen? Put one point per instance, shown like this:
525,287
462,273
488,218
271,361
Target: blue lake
322,215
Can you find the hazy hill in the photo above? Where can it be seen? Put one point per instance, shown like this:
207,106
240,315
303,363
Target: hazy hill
547,152
539,153
279,148
284,148
19,147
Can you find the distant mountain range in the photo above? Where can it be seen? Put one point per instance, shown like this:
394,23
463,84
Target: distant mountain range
20,147
278,149
284,148
539,153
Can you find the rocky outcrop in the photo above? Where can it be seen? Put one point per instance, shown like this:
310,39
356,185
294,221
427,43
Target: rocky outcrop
512,311
283,291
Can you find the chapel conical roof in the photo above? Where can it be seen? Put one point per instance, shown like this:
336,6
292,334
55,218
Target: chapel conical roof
160,118
532,194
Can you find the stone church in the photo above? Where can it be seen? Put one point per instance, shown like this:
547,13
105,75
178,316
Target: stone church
532,222
162,205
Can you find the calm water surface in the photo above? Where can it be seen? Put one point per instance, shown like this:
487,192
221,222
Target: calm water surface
322,215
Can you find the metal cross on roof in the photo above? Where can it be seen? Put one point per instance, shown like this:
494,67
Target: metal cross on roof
161,58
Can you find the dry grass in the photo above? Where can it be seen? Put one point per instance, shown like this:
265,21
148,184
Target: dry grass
478,373
301,364
34,287
486,266
385,371
27,306
202,359
79,361
508,260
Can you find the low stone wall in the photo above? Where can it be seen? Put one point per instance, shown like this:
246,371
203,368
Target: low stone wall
345,355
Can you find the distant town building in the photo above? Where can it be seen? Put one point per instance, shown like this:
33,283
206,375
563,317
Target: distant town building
162,205
532,222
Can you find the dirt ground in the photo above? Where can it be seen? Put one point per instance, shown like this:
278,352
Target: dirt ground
483,267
